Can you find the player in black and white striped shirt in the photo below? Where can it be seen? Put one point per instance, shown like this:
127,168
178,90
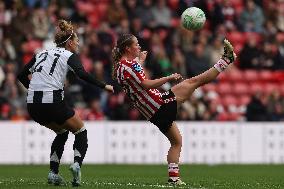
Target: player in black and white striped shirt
45,100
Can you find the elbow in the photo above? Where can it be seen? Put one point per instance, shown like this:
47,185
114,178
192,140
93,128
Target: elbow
145,85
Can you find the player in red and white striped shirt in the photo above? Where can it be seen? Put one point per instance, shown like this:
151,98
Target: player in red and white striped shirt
130,75
158,108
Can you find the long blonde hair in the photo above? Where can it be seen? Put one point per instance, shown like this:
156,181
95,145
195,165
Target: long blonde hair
65,31
118,51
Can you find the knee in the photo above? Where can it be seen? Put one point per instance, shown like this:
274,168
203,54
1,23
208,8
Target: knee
177,142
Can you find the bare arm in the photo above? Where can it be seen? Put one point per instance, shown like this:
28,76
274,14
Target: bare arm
150,84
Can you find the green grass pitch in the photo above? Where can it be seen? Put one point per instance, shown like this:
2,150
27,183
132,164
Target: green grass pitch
148,176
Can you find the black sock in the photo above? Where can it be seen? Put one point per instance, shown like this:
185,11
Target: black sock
57,149
80,146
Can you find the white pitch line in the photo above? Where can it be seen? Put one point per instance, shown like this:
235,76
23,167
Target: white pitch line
29,182
143,185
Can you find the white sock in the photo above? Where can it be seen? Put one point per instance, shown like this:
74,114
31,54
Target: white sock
221,65
173,170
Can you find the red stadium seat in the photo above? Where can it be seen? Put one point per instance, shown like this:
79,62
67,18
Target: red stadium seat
224,88
238,5
255,35
209,87
281,89
240,88
224,116
268,88
250,75
280,37
231,75
235,116
227,116
236,75
238,47
236,37
229,100
224,76
266,76
244,100
278,76
255,87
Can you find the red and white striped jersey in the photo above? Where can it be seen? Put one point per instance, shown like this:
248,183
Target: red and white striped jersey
130,74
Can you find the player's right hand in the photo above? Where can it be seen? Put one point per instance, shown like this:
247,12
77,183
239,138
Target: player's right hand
109,88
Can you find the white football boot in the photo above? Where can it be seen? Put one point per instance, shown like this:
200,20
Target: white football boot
76,173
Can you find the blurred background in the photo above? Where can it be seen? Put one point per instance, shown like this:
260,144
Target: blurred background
236,119
251,90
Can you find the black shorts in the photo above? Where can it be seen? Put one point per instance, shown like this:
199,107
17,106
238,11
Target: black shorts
46,113
167,113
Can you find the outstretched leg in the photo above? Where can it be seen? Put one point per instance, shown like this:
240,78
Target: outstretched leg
184,89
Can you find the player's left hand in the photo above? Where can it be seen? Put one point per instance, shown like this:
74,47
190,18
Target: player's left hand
109,88
175,77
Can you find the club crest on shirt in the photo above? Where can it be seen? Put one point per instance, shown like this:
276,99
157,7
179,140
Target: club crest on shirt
137,67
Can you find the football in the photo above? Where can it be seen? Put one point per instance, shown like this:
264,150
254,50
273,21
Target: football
193,18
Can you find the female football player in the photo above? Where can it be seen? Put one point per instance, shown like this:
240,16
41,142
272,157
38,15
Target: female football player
160,108
45,99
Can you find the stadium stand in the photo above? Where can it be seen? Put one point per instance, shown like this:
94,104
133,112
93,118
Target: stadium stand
26,27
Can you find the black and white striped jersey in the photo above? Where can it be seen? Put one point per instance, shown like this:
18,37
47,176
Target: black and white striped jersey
49,69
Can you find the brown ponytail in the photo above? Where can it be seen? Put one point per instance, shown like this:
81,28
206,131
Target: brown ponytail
116,56
118,51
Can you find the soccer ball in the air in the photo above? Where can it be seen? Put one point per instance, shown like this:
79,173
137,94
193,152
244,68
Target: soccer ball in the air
193,18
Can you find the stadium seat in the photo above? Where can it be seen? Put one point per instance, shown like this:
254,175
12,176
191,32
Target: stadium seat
240,88
239,9
243,100
224,76
227,116
268,88
250,75
255,35
255,86
281,88
280,37
266,76
224,88
224,116
236,2
238,47
86,7
209,87
235,116
278,76
229,100
236,37
235,75
175,22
